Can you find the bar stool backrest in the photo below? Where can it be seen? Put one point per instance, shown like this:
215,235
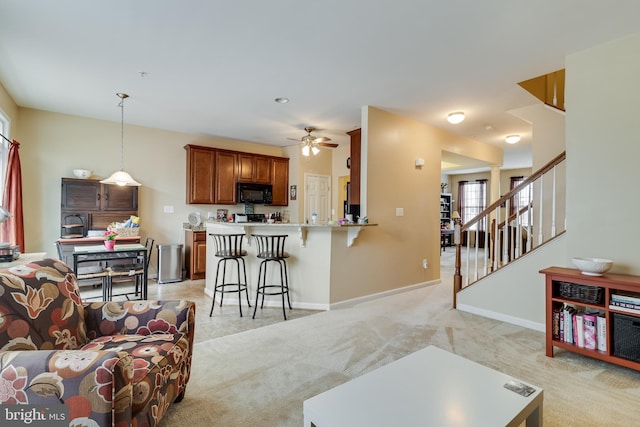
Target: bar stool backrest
270,246
228,245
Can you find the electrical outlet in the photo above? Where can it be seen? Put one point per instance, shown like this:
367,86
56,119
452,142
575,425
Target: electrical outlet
168,209
425,264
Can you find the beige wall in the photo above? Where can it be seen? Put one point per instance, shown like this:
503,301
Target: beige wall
52,145
383,258
603,149
390,256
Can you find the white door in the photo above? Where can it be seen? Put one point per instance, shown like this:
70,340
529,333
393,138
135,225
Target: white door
317,197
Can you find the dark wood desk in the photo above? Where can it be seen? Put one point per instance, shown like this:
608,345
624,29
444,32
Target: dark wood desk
444,232
98,253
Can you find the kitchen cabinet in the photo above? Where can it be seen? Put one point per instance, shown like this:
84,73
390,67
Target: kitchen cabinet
254,168
354,192
87,204
280,182
226,176
212,175
200,175
195,252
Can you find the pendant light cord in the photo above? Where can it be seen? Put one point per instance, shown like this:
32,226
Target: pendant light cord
122,96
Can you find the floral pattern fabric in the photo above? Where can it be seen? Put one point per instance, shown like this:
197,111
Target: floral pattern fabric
112,363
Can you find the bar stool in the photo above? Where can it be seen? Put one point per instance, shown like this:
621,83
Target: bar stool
271,249
229,248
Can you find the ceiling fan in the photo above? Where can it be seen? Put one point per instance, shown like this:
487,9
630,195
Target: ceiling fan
311,143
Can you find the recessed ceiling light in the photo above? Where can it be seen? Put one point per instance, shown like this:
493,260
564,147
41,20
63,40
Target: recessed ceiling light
488,128
512,139
281,100
455,118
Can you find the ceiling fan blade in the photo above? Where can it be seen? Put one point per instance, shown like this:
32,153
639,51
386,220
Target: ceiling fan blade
327,144
319,139
294,139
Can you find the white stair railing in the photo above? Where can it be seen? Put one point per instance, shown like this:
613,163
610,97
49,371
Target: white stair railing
499,237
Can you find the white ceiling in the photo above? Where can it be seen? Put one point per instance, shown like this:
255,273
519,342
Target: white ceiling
214,67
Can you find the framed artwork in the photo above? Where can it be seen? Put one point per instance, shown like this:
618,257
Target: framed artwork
293,192
222,214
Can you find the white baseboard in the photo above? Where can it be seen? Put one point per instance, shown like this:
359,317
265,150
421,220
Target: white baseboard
335,306
351,302
270,302
540,327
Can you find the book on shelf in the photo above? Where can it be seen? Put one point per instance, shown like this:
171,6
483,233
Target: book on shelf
579,329
585,328
601,332
626,297
625,309
590,331
625,305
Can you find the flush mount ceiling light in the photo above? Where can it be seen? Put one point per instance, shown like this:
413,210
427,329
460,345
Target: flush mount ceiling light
281,100
121,177
455,118
512,139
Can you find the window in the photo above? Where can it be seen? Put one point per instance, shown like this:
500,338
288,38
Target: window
520,201
472,199
4,150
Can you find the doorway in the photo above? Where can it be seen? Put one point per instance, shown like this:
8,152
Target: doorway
317,197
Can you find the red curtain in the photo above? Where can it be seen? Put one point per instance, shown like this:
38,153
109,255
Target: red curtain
12,230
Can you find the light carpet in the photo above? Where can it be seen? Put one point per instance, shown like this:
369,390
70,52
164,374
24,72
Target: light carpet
261,377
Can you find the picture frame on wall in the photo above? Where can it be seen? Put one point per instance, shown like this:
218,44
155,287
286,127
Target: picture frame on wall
293,192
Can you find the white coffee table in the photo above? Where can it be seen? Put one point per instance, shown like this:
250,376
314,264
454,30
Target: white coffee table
430,387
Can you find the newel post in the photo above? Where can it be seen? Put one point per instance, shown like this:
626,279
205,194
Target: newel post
457,277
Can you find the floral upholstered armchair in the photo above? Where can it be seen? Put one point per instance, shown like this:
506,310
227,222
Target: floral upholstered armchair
111,363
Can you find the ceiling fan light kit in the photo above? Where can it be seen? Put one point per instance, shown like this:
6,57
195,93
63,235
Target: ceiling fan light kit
310,144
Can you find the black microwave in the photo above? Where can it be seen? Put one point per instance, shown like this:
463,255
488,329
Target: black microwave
255,193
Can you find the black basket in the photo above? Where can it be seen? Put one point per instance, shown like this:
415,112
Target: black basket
626,337
581,293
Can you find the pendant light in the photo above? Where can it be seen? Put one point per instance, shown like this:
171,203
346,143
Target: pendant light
121,177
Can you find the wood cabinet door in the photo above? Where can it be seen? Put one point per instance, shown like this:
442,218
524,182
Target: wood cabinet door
200,258
200,175
262,170
246,167
280,182
354,195
119,198
226,177
80,194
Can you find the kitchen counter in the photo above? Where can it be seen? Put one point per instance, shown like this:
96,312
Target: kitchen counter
310,248
353,230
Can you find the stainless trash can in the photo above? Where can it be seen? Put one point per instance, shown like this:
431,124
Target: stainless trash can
169,263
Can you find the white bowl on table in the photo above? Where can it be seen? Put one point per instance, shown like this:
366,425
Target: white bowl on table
593,266
82,173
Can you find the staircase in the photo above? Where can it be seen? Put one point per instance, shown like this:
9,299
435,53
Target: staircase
521,221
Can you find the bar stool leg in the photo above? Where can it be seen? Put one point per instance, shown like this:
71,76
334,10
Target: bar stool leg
215,288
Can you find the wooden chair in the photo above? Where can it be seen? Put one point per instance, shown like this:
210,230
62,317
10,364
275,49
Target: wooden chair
124,273
90,275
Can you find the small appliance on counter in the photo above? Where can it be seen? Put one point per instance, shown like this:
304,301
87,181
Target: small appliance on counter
249,218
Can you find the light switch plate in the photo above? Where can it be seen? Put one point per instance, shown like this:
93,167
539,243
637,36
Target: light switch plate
399,211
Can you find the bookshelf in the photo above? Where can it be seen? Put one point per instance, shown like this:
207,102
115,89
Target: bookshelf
445,209
568,287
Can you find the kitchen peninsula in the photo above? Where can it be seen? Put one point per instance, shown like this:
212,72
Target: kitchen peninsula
310,248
